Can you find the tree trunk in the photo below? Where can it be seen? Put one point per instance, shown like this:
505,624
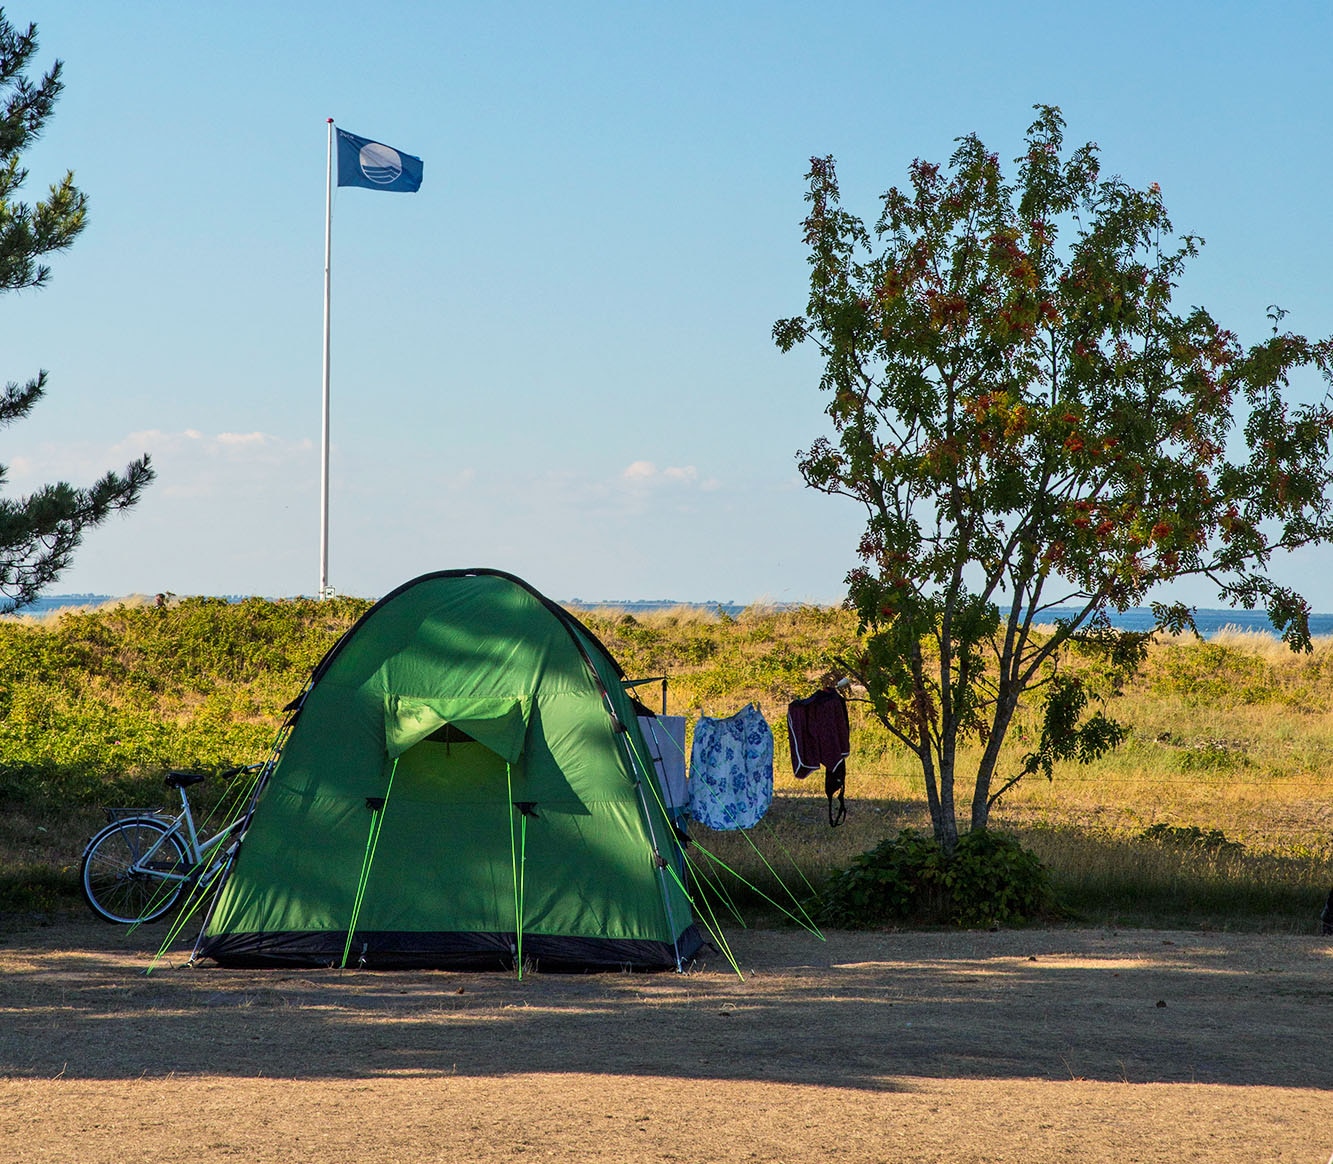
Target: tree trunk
939,794
1004,715
927,759
981,809
946,823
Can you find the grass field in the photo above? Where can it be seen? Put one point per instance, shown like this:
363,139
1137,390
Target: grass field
1228,756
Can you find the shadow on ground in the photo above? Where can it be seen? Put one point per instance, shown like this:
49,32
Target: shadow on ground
860,1010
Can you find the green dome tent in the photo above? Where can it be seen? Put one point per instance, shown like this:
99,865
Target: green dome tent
464,784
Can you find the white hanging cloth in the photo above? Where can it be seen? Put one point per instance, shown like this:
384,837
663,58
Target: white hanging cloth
665,737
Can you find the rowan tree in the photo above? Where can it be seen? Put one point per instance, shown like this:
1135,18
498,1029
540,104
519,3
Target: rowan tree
40,532
1030,424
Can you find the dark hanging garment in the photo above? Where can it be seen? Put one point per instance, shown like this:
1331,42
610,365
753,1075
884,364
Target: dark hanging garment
835,784
820,736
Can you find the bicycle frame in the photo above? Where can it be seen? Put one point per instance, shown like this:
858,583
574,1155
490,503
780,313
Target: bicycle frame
196,849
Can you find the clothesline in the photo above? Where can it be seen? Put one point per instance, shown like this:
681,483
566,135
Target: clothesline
729,784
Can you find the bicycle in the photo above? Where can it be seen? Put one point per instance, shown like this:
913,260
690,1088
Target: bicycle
136,868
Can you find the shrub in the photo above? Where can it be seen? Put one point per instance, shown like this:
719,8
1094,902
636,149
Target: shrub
990,879
1213,756
1191,836
1205,674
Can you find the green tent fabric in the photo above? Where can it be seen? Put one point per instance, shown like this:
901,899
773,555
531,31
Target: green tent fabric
485,733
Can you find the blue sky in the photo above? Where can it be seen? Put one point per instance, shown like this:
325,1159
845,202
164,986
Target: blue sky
555,358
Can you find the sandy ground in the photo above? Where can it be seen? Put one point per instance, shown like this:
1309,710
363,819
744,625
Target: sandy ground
1025,1046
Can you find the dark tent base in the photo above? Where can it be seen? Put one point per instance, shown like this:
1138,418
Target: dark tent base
445,951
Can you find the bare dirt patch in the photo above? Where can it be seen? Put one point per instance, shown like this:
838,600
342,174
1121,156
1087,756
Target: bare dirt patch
1027,1045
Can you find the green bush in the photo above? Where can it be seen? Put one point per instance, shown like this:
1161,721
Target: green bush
1191,836
990,879
1205,674
94,705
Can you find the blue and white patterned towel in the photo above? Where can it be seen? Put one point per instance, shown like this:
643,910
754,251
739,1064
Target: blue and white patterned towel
731,770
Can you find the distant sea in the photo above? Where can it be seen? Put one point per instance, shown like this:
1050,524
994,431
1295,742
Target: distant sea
56,601
1209,621
49,602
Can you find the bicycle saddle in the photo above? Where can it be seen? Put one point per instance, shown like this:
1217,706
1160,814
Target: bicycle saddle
183,779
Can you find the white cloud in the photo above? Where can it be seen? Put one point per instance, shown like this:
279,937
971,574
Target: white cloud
188,463
647,473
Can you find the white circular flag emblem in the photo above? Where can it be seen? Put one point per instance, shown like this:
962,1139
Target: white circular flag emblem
380,163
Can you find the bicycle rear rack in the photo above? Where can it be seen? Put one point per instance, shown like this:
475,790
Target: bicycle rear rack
115,814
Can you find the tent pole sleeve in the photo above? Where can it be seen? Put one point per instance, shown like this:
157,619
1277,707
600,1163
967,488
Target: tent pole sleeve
372,843
522,878
513,856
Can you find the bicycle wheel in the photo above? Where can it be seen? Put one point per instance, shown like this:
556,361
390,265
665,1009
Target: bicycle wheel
119,884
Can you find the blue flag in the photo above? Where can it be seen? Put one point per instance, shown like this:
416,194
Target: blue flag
362,162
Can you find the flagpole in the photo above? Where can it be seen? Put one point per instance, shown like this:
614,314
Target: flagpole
324,589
